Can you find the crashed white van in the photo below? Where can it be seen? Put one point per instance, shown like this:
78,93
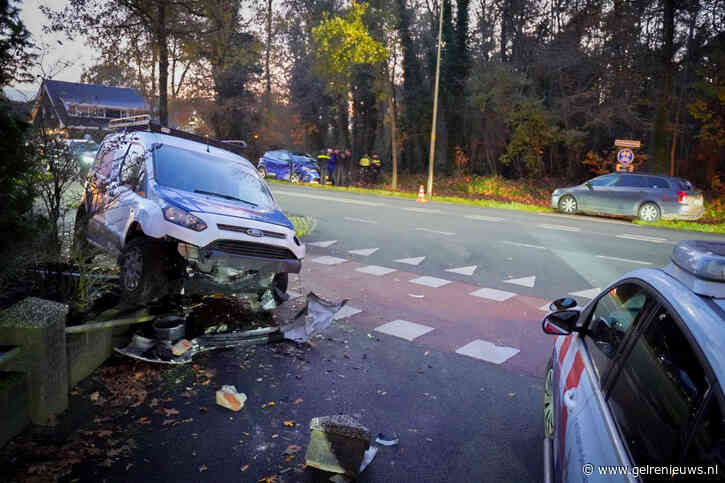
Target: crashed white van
177,208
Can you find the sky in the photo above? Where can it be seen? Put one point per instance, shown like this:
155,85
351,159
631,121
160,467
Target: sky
74,51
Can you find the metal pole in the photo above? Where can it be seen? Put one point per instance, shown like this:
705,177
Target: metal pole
431,157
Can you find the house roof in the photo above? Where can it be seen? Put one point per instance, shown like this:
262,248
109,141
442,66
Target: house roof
62,94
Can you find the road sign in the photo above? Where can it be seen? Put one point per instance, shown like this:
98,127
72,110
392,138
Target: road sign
625,156
627,143
627,168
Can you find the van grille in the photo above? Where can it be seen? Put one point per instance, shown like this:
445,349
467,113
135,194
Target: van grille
243,229
249,249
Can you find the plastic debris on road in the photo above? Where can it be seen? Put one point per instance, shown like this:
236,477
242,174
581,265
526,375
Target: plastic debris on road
338,444
316,316
386,440
228,397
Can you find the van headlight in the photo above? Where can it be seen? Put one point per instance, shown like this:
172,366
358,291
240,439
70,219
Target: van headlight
183,218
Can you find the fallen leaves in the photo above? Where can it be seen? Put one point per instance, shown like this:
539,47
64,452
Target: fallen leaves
298,401
170,412
143,420
289,424
292,449
202,468
268,405
244,468
94,396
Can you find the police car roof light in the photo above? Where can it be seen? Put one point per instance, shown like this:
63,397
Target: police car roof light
702,259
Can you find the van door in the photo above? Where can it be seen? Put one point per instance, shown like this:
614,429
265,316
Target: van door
121,208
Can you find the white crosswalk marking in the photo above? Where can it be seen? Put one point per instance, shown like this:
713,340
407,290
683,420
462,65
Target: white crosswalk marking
404,329
361,220
423,210
559,227
493,294
446,233
345,312
525,245
487,351
430,281
375,270
483,218
463,270
652,239
587,294
411,261
322,244
327,260
366,252
628,260
524,281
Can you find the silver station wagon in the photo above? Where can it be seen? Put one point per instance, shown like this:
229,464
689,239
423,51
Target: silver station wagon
648,197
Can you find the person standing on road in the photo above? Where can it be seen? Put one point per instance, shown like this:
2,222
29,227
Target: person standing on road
340,164
377,166
323,160
332,164
364,168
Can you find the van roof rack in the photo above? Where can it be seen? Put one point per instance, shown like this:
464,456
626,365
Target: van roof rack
144,123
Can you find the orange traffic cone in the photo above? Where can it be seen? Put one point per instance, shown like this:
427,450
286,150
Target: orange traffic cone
421,195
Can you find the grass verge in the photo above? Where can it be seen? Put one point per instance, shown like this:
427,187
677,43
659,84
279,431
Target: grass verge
686,225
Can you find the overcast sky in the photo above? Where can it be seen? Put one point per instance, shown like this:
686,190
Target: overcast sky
75,51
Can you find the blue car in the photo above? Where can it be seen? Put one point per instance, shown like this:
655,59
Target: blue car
291,166
633,391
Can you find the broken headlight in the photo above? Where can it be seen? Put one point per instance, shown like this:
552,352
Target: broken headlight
183,218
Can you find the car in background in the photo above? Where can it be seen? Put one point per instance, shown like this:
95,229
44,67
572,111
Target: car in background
648,197
84,150
634,387
290,166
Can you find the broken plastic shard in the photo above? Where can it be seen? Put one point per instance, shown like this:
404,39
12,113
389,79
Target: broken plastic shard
368,457
387,440
316,316
228,397
267,300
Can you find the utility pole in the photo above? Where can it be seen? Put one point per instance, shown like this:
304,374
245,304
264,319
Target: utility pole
431,157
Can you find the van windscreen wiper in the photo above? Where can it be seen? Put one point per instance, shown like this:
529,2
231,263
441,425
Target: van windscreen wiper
228,197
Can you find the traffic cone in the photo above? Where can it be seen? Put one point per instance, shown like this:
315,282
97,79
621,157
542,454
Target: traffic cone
421,195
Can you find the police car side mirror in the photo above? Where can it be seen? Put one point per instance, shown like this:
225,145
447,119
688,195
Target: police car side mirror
588,185
562,322
562,304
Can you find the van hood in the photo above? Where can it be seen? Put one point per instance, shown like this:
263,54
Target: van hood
199,203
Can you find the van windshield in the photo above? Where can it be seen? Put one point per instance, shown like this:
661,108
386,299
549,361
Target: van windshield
193,171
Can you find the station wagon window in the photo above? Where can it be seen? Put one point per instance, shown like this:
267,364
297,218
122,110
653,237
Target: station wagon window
657,393
708,441
631,181
658,183
614,317
606,180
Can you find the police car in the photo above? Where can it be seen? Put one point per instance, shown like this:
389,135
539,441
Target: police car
633,390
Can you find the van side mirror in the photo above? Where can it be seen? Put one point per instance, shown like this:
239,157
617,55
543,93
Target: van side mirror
562,322
562,304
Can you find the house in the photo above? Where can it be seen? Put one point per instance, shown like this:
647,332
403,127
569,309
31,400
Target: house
79,108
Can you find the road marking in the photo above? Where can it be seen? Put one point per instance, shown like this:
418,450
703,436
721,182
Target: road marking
375,270
416,296
525,245
345,312
487,351
623,260
411,261
430,281
652,239
404,329
492,294
464,270
524,282
323,244
327,260
587,294
423,210
328,198
483,218
361,220
447,233
585,218
366,252
559,227
545,308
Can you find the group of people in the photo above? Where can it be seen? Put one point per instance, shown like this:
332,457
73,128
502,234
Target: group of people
328,160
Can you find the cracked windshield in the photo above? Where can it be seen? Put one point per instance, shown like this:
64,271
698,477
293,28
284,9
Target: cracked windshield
378,241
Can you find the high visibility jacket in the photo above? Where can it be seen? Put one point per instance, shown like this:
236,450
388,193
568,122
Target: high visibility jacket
323,156
365,162
376,162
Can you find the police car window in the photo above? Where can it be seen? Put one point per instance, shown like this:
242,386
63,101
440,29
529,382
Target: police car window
708,441
658,183
607,180
613,318
630,181
657,393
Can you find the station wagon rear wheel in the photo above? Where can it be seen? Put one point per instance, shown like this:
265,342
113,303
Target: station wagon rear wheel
294,178
567,204
549,400
649,212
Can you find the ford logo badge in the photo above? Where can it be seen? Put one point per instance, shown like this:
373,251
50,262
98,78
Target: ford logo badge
254,232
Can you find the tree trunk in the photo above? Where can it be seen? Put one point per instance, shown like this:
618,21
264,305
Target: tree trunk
394,140
267,74
663,112
163,65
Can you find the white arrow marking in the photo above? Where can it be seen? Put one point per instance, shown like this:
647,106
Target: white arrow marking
323,244
464,270
411,261
524,281
366,252
587,294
